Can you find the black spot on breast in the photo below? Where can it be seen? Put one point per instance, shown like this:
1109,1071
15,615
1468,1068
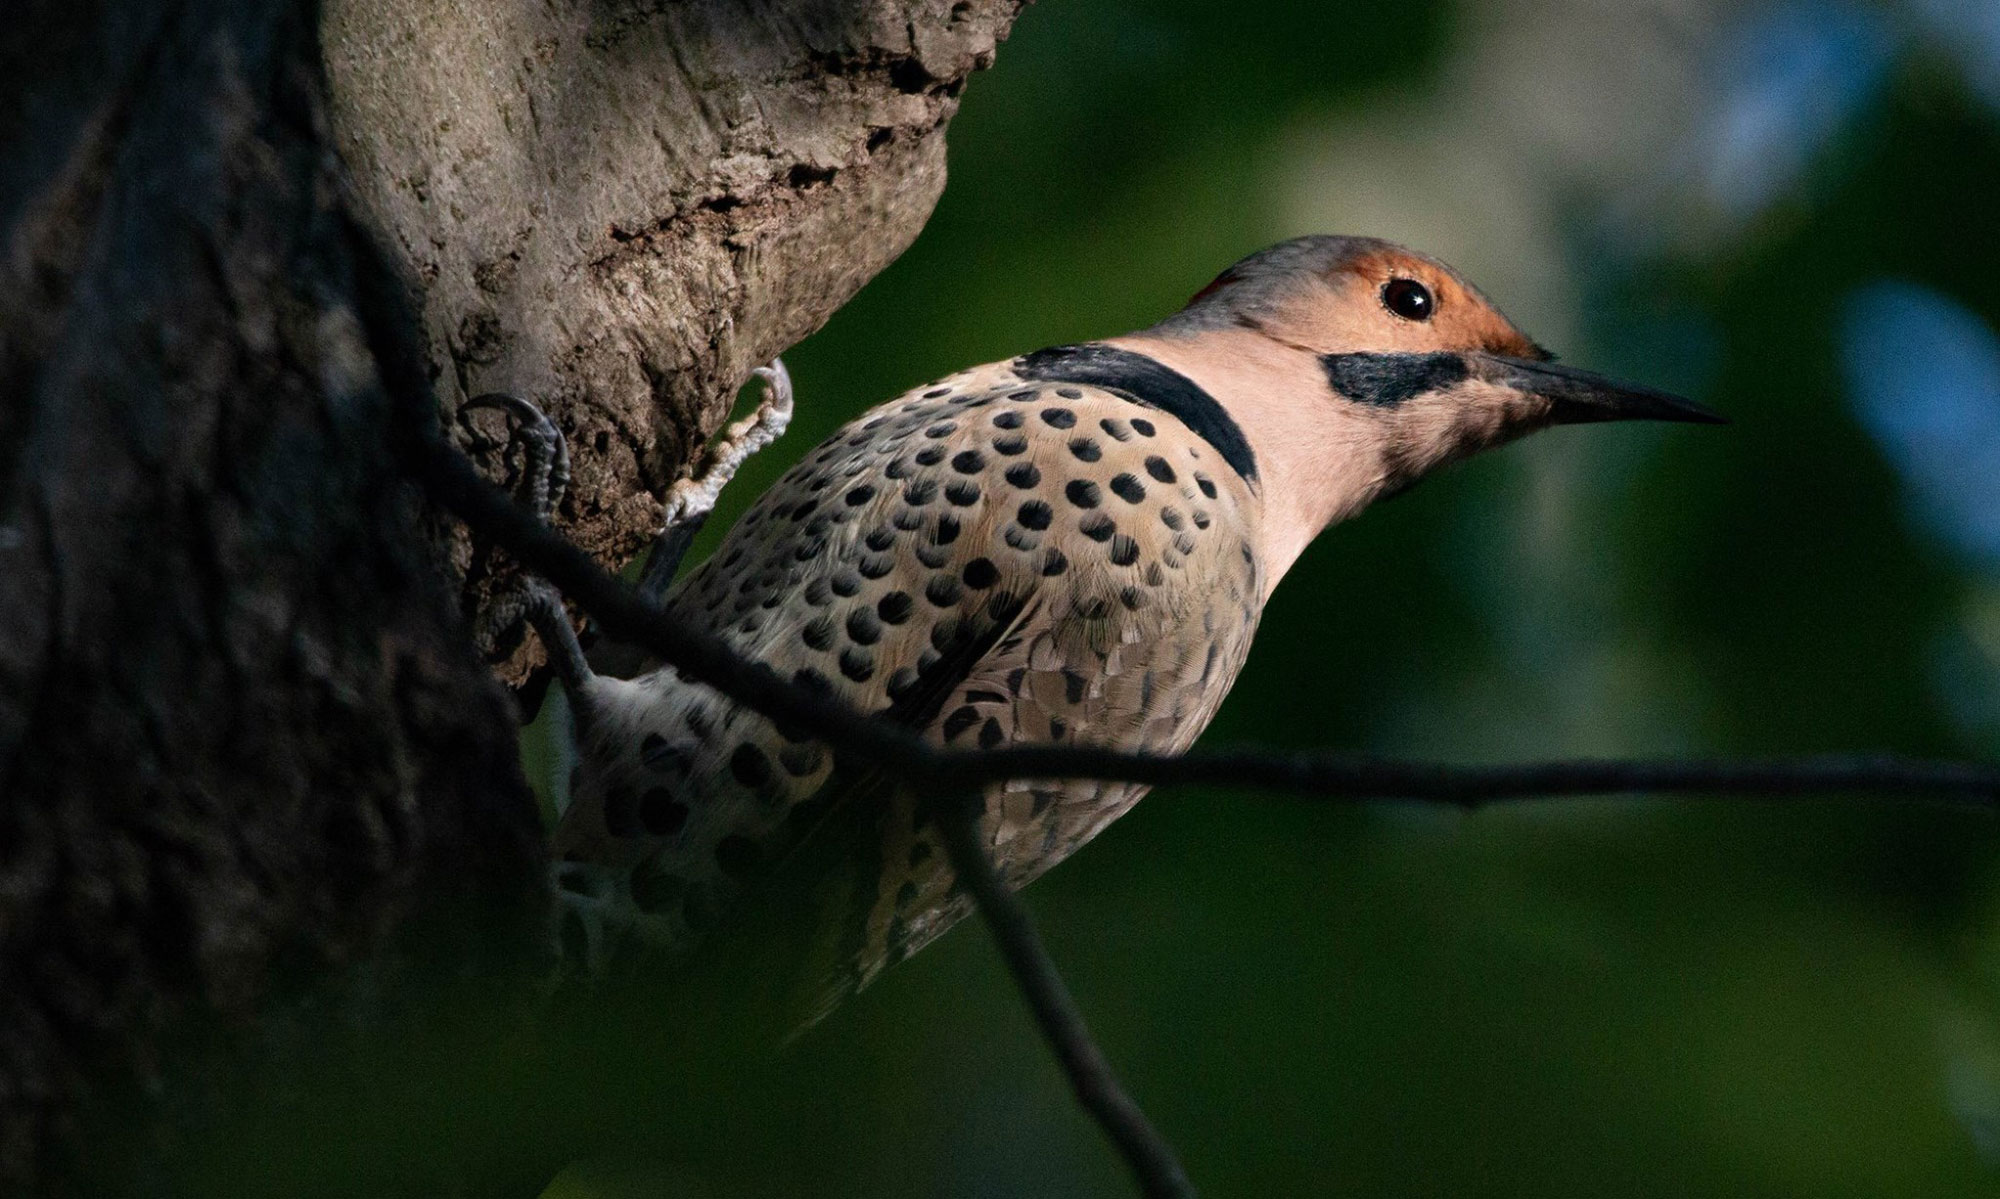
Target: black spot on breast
1034,514
800,760
1011,445
1069,393
962,492
935,392
1201,519
1206,484
1386,380
1060,418
812,681
947,530
980,573
961,719
1007,419
897,469
1124,550
659,755
990,734
1086,449
1143,427
1115,429
943,591
818,634
1097,526
1128,488
860,495
919,492
864,627
943,428
933,556
895,607
661,814
1024,474
1073,686
1054,563
1020,539
798,514
1171,517
1157,467
846,584
880,539
1083,493
857,664
909,520
968,462
902,683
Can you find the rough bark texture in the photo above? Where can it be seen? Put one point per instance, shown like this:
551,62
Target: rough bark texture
618,208
251,761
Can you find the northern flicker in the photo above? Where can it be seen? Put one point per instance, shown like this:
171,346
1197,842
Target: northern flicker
1071,546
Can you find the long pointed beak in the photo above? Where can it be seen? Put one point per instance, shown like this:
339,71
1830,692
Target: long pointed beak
1577,396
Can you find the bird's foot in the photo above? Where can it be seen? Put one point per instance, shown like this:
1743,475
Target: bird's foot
544,479
689,501
544,451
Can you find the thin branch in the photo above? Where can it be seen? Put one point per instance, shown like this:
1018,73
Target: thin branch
622,614
1151,1158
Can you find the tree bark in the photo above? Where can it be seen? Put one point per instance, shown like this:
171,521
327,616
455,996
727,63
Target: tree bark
258,788
617,209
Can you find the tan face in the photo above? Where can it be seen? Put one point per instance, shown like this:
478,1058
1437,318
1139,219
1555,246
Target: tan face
1356,367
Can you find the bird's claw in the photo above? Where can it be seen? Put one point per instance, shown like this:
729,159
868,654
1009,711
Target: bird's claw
545,452
694,497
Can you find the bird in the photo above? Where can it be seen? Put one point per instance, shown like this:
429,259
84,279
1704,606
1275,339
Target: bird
1071,546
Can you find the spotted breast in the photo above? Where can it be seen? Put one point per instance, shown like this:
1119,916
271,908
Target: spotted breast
1055,549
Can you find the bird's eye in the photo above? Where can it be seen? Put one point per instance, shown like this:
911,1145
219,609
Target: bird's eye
1408,299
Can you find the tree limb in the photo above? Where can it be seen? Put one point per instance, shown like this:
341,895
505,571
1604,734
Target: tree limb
623,615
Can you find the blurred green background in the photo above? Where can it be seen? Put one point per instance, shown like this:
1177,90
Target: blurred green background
1791,212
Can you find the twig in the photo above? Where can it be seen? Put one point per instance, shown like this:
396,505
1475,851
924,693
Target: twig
1151,1159
922,766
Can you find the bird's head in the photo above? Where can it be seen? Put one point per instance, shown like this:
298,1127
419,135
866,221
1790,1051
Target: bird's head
1355,367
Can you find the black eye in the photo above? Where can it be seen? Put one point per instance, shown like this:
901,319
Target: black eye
1408,299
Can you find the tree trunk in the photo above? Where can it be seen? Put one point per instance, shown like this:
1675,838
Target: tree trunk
259,792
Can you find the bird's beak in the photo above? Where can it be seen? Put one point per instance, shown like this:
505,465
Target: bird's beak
1578,396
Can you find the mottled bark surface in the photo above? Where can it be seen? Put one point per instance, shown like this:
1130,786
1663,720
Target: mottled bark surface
251,761
617,209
